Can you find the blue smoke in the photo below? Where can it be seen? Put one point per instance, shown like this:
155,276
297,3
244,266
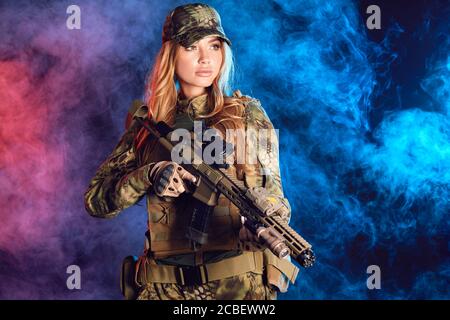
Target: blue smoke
364,190
312,72
437,84
413,156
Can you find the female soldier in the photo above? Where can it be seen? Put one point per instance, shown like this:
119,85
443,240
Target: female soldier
196,56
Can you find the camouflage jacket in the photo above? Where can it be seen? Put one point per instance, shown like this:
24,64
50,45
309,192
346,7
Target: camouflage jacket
120,181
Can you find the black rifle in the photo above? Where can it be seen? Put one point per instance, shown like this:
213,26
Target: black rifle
271,229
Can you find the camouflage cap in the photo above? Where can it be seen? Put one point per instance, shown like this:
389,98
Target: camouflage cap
191,22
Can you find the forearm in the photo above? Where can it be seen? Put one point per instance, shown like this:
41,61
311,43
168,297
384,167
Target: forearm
132,187
274,189
266,172
109,194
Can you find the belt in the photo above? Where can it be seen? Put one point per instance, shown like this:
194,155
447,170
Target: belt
148,271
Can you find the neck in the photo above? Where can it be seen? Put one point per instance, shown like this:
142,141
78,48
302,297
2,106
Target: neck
190,92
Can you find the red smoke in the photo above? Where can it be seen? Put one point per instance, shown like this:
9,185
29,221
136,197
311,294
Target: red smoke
31,160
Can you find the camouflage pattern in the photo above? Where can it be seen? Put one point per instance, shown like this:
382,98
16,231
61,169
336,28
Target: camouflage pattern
119,183
194,107
123,179
189,23
267,170
267,173
248,286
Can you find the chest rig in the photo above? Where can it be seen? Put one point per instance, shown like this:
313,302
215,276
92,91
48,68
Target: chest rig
168,218
166,240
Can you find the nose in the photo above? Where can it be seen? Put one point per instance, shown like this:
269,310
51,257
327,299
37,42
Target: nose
204,57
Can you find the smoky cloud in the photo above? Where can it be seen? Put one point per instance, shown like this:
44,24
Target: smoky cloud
368,181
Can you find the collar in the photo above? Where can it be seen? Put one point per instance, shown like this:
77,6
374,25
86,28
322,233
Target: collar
196,106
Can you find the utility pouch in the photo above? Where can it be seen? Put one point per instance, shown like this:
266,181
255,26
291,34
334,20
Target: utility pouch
279,272
128,286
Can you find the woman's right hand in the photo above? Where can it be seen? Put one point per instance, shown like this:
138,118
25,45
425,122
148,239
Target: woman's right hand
169,179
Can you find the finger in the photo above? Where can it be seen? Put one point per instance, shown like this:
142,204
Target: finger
244,234
186,175
163,180
176,185
171,186
167,192
180,188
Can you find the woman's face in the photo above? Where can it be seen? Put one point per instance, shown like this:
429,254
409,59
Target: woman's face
198,65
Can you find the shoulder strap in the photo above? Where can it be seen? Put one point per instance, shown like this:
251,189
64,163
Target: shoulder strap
237,94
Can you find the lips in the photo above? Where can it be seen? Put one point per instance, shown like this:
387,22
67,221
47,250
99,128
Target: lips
204,73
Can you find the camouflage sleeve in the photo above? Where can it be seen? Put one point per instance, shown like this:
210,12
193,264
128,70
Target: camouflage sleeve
265,143
118,182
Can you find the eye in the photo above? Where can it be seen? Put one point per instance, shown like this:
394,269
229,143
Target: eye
216,46
190,48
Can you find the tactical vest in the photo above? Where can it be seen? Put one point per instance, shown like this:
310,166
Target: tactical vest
169,217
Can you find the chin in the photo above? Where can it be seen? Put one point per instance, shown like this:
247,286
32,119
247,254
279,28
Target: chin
204,84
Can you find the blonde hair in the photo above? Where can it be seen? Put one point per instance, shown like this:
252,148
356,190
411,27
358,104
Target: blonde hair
161,93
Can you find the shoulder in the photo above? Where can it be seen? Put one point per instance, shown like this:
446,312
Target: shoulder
137,109
255,114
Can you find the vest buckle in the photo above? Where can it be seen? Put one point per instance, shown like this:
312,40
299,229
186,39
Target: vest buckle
190,276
